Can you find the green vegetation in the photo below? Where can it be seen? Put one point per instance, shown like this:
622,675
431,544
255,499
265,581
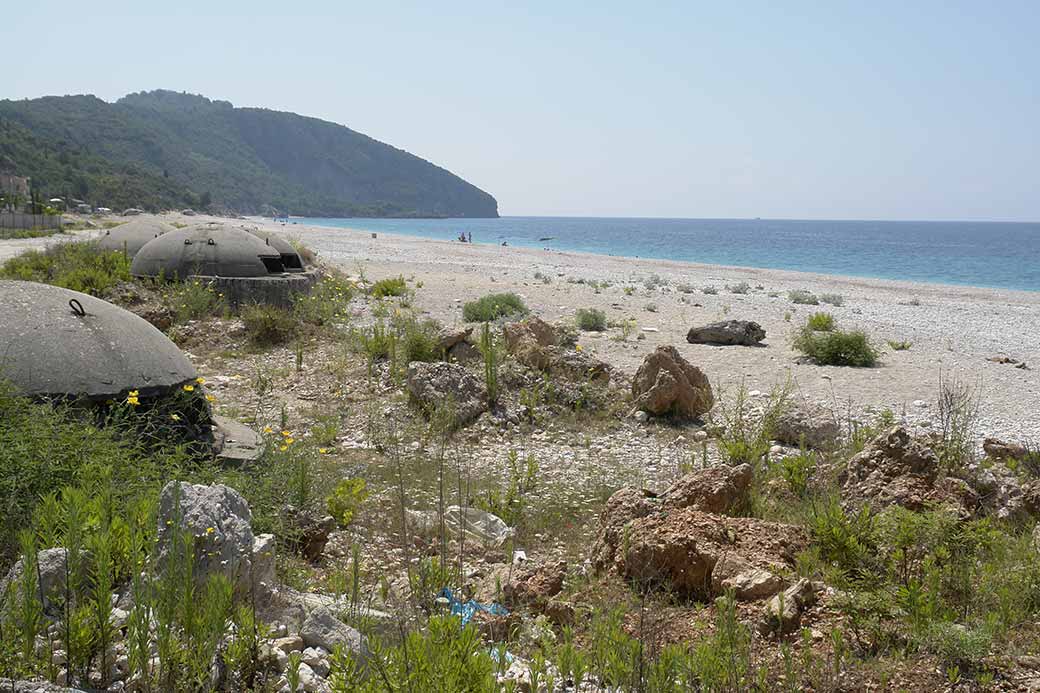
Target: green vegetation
268,325
493,307
820,322
345,499
591,320
832,299
802,297
78,266
835,347
391,286
902,345
738,288
164,150
9,234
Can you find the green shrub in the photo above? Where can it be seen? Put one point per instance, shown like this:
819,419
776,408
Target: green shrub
591,320
847,541
899,346
391,286
493,307
802,297
404,339
832,299
836,348
739,288
820,322
193,300
345,499
710,290
78,266
326,303
268,325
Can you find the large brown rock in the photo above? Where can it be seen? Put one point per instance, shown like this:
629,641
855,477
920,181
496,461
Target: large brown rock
893,469
538,345
623,506
681,548
667,384
718,489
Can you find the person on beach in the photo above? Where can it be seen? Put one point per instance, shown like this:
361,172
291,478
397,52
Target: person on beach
470,236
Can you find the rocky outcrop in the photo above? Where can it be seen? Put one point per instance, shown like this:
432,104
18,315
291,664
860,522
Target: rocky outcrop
727,333
51,572
218,519
536,584
803,423
1001,450
681,548
684,539
434,385
457,345
538,345
893,469
1003,495
323,629
783,612
718,489
667,384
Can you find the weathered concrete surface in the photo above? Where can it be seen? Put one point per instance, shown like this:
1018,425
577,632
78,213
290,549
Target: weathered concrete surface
47,349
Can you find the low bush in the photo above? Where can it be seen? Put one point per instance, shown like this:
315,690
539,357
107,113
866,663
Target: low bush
739,288
836,347
820,322
591,320
345,500
78,266
802,297
193,300
268,325
493,307
404,339
391,286
832,299
326,303
899,346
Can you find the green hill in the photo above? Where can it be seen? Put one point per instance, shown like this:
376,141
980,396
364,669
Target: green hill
162,150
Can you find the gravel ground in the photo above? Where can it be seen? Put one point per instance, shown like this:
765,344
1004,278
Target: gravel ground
953,329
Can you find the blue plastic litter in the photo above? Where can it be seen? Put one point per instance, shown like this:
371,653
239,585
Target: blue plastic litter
466,610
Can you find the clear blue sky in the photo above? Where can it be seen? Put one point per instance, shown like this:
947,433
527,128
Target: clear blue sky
870,110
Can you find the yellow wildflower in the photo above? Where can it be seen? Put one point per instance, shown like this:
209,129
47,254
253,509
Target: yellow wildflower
189,388
200,380
286,433
211,398
323,451
577,347
289,441
175,417
284,448
210,530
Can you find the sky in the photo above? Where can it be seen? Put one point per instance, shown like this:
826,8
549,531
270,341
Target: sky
814,110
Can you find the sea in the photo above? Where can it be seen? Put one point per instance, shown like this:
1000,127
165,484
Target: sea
987,254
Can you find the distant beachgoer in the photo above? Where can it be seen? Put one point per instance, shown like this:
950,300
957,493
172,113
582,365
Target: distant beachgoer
505,242
470,236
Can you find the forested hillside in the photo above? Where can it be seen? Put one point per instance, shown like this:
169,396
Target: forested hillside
163,149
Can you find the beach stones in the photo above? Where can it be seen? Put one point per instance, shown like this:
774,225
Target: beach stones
668,384
728,333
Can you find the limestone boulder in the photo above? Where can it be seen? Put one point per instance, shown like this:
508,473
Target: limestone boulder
218,519
323,629
434,385
804,423
667,384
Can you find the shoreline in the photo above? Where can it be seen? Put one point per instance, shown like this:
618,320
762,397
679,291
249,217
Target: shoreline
954,330
863,281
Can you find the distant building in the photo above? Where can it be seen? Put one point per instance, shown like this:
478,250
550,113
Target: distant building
14,185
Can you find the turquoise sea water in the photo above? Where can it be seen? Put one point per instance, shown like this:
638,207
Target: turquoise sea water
1005,255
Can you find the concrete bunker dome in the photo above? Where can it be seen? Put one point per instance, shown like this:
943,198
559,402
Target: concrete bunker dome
291,260
133,235
59,343
207,250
